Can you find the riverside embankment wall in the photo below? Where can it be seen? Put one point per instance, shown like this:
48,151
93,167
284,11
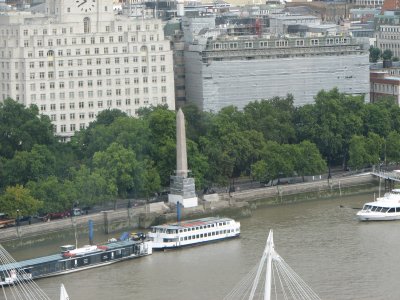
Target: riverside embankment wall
307,190
229,204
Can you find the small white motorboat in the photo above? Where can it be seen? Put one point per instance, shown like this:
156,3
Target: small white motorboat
386,208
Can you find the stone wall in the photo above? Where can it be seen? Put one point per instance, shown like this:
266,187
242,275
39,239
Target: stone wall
230,204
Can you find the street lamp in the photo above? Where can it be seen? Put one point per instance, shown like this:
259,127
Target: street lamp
17,217
18,234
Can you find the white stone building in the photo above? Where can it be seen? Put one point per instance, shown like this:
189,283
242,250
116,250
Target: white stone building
78,58
387,32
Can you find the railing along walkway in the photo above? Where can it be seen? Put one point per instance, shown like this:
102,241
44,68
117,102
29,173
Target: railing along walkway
390,175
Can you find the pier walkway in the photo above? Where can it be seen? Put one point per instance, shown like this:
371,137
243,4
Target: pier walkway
390,177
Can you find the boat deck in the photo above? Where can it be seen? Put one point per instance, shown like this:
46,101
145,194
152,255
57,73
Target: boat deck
56,257
192,223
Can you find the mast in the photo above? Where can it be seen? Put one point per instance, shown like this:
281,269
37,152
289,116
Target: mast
267,255
270,251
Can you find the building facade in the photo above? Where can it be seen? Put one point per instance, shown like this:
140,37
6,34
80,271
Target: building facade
387,32
236,70
383,84
77,58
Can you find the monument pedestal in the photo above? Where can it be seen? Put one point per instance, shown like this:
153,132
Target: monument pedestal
182,190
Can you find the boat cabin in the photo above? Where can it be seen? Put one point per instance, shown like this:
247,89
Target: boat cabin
368,207
67,248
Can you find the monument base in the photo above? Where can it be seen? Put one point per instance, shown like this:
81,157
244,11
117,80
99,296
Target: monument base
188,202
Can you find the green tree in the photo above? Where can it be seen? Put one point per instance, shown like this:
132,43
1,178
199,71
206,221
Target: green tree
308,160
376,119
374,54
117,164
358,155
393,147
147,180
273,118
21,128
18,200
55,195
196,122
387,54
162,126
375,148
277,162
29,165
330,123
365,151
91,187
108,116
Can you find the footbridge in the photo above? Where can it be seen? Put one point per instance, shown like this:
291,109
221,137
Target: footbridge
390,177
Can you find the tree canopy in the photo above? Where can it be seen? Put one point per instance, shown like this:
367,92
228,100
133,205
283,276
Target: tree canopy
121,156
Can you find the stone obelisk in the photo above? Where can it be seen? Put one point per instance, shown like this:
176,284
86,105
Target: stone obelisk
181,154
182,187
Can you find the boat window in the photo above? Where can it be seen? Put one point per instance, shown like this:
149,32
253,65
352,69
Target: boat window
397,209
392,210
374,208
212,225
201,235
384,209
213,233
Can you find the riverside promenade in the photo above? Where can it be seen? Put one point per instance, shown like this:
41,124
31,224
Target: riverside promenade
239,203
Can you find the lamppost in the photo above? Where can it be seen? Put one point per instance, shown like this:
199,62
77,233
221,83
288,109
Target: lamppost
18,223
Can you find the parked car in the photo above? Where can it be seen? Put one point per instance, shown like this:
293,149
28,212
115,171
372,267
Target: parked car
76,212
23,219
5,221
54,215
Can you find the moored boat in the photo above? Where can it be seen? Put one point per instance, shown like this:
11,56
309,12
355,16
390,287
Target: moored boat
193,232
386,208
72,260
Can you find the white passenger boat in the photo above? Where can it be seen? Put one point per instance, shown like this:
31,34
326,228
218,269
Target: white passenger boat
192,232
385,208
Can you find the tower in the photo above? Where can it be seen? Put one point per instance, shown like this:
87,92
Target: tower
182,187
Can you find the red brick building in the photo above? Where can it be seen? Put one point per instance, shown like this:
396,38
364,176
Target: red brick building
383,84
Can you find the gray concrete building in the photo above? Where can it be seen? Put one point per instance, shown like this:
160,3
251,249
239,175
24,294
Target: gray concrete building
232,70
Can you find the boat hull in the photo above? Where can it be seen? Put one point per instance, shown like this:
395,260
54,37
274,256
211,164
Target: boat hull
164,246
54,265
193,232
375,217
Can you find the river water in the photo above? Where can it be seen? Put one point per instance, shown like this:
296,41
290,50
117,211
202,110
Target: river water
339,257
